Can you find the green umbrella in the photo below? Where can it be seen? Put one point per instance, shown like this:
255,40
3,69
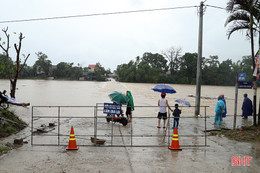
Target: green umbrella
118,97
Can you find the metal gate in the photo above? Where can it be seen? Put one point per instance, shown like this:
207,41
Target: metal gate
51,126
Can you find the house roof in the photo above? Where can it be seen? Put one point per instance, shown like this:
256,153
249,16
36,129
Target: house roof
91,66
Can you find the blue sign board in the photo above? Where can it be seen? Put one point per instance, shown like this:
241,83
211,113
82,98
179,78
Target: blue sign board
245,85
241,77
110,108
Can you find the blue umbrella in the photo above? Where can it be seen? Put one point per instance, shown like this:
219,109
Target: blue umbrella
164,88
183,101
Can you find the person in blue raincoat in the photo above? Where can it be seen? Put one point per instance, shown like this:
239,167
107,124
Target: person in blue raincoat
224,114
247,107
220,108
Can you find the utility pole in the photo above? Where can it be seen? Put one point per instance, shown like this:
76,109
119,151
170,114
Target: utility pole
198,78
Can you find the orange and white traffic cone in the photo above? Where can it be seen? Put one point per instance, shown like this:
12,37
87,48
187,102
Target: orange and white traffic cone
72,142
175,141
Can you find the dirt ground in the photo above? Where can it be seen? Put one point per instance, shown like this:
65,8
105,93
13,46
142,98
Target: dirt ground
154,156
242,134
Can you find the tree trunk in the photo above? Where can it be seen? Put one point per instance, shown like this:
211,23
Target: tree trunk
253,61
13,87
258,60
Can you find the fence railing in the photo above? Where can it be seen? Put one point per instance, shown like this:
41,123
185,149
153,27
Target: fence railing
51,126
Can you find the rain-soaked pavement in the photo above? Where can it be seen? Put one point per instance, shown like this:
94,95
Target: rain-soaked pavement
149,151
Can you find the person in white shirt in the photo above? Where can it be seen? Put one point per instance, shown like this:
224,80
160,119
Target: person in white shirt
162,114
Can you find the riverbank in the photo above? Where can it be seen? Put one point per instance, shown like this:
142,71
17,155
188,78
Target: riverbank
242,134
9,124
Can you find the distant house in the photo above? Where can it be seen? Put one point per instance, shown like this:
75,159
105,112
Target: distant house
91,67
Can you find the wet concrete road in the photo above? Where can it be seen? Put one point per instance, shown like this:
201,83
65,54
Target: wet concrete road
213,158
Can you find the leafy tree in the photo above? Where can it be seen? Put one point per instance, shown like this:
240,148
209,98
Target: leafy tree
127,72
121,72
99,72
4,64
76,73
27,72
155,60
210,71
245,15
149,68
63,70
143,72
187,72
244,66
225,74
42,65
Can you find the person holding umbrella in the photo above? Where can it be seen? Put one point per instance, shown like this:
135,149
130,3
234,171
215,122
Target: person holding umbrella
163,104
130,106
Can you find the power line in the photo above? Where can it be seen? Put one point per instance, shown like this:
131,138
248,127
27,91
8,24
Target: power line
216,7
95,14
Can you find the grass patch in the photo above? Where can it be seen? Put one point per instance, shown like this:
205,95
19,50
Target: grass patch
10,129
243,134
3,149
10,123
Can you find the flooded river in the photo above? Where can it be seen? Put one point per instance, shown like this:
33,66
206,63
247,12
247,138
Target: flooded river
86,93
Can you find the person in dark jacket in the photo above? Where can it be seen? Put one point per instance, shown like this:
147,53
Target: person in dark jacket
3,97
247,107
176,113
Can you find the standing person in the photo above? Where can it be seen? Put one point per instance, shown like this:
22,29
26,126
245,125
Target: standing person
224,114
176,114
247,107
163,104
220,108
130,106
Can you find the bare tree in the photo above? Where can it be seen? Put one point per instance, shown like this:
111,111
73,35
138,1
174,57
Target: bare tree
13,69
172,54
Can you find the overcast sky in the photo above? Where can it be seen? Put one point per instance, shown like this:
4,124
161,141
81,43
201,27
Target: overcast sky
116,39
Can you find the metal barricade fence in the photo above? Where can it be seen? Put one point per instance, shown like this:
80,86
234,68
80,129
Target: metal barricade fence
51,126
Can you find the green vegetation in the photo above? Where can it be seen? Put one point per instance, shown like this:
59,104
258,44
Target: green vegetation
153,68
244,16
43,68
3,149
150,68
10,123
243,134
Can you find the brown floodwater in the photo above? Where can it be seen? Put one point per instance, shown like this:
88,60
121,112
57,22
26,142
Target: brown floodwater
86,93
